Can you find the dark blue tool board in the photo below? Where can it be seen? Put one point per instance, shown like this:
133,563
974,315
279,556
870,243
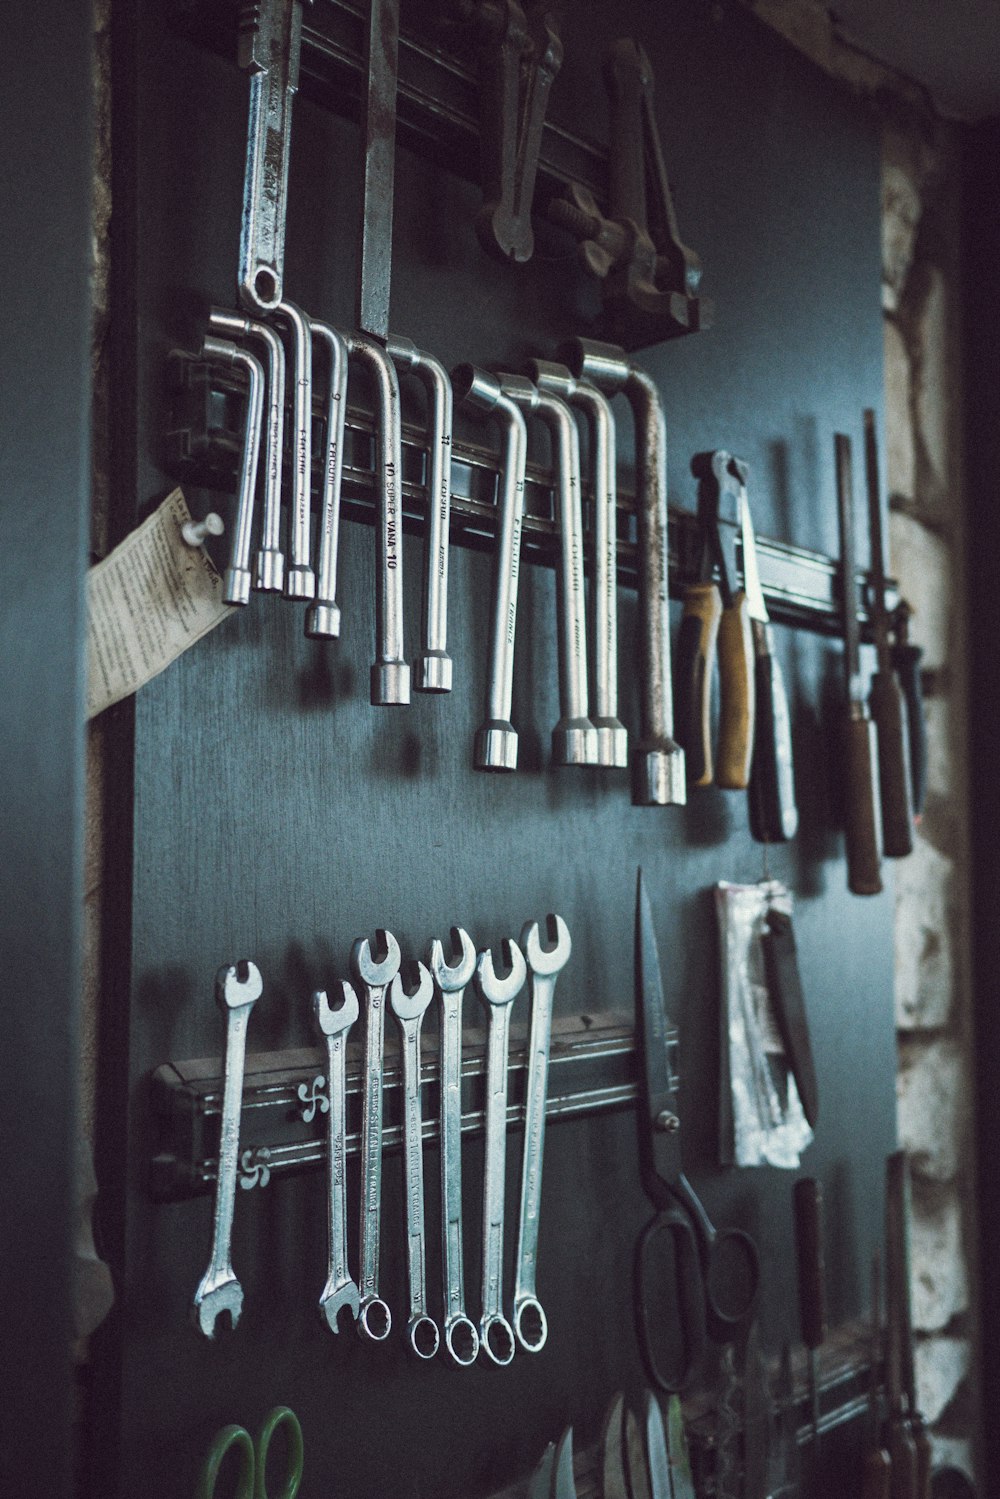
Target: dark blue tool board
267,811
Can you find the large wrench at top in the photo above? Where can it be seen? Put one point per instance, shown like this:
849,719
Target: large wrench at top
375,1318
409,1010
340,1290
496,1337
270,40
237,989
530,1325
461,1337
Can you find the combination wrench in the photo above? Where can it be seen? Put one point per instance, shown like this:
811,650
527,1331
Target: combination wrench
237,989
612,736
323,614
574,738
269,564
236,578
340,1291
409,1010
495,746
496,1336
545,966
461,1337
658,775
375,1318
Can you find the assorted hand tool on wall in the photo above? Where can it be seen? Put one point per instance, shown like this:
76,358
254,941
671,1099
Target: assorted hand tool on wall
381,982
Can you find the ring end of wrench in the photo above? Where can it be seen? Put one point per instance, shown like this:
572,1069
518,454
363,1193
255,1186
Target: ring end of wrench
259,288
390,684
461,1338
612,742
374,1319
432,672
531,1326
496,1340
300,583
269,571
574,742
323,620
424,1336
658,776
495,746
236,583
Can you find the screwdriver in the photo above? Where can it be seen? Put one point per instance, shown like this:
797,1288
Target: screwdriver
876,1473
884,696
863,862
807,1198
906,659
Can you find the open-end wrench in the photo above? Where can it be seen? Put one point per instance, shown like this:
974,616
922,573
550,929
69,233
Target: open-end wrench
658,777
545,965
340,1291
236,578
612,736
390,674
574,738
237,989
270,40
269,564
496,1336
323,614
300,580
461,1337
409,1010
495,745
432,668
375,1318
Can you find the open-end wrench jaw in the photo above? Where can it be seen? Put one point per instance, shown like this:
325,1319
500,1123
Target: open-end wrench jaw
547,961
494,991
335,1020
376,973
452,977
411,1005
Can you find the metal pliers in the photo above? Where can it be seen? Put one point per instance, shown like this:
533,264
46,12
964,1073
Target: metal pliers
716,626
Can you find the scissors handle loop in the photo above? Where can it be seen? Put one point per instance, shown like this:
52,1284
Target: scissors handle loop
688,1299
229,1436
280,1415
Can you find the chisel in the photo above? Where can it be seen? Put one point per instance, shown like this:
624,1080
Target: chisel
907,1429
860,818
885,699
807,1199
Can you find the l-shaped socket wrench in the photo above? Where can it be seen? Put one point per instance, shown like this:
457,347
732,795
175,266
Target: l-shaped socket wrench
323,614
300,580
495,746
658,777
574,738
236,578
612,736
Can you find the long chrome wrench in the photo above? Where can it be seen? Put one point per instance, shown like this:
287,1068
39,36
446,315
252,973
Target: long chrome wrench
323,614
574,738
461,1337
340,1291
409,1010
269,564
432,668
612,736
300,580
496,1337
375,1319
495,746
236,579
545,965
270,39
237,989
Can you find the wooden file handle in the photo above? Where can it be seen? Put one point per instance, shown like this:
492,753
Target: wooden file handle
696,646
885,700
864,876
736,696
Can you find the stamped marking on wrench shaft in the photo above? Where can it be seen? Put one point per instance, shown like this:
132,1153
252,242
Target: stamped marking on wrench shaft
340,1291
409,1010
375,1318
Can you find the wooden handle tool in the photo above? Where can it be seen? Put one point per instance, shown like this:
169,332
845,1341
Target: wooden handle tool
807,1199
696,653
906,659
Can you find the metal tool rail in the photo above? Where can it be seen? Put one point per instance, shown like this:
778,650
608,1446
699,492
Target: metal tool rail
204,438
283,1126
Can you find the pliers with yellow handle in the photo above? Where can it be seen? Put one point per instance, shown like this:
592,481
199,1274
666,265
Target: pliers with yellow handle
715,627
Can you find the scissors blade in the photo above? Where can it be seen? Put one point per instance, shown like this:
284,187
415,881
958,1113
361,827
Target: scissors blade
656,1450
612,1455
540,1482
563,1486
635,1457
659,1083
677,1447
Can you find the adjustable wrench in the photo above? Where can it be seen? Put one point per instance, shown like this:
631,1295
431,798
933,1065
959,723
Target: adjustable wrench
496,738
496,1336
270,39
461,1337
237,989
236,579
545,964
340,1290
409,1010
432,668
390,675
612,736
657,761
574,738
300,580
375,1318
269,566
323,614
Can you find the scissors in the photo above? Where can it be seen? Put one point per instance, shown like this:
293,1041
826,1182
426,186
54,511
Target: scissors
713,1274
253,1458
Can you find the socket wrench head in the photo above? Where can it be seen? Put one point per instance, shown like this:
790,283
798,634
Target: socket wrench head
495,746
658,775
432,671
